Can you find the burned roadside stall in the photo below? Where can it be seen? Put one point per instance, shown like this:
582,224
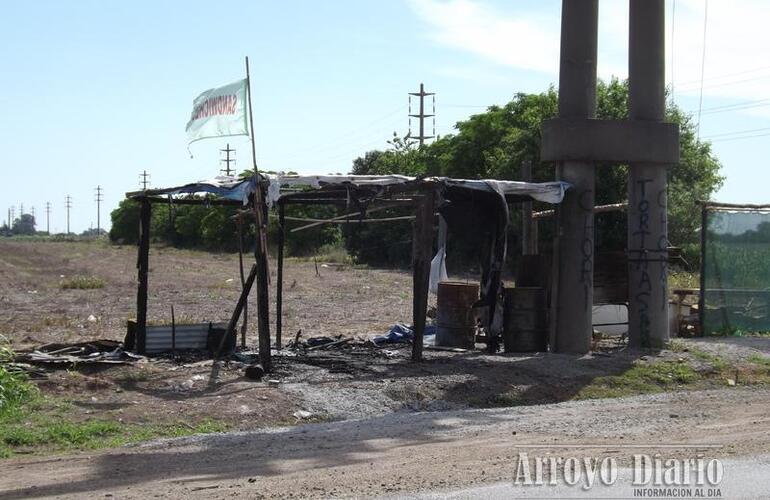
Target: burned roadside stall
476,210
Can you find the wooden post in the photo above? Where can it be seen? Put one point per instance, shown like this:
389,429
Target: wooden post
143,265
279,277
263,306
528,225
260,248
422,244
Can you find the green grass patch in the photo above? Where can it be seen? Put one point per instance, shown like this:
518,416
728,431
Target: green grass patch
81,283
718,363
50,426
760,360
15,388
641,378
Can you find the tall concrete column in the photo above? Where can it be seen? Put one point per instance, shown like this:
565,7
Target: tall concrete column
577,99
647,217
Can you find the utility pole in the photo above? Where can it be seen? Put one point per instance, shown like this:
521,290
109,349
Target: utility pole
48,217
144,182
32,212
421,115
227,170
21,209
9,218
13,215
68,205
99,199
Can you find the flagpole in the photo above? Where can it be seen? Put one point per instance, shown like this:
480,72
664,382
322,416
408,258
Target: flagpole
257,191
260,248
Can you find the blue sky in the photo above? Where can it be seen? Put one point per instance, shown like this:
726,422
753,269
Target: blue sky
94,92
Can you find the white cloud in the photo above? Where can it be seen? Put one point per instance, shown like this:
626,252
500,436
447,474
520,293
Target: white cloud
737,44
520,41
526,37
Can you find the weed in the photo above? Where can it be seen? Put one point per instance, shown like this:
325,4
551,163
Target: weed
683,279
718,363
81,283
760,360
677,345
334,253
642,378
48,425
15,389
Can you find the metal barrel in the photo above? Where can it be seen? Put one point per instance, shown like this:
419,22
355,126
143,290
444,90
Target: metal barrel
525,328
455,322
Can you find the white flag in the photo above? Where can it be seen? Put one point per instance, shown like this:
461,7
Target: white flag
219,112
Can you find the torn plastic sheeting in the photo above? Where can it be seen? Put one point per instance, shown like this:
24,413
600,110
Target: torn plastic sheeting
548,192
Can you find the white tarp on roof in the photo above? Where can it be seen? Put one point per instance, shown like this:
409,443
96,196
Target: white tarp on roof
235,188
548,192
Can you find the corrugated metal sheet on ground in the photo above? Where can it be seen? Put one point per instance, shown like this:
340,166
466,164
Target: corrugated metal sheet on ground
187,337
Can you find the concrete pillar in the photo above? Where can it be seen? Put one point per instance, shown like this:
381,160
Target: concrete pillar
577,99
647,218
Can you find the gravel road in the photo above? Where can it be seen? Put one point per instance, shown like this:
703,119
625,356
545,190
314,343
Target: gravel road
399,453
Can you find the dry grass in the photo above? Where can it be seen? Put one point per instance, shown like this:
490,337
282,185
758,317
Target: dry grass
81,283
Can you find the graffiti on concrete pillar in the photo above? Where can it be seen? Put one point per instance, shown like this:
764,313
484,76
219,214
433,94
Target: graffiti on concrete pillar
643,288
663,250
587,247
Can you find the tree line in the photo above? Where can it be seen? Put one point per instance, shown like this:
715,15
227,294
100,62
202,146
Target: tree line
493,145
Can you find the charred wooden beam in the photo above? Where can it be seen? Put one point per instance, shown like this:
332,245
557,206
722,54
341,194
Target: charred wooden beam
143,265
279,277
422,245
238,309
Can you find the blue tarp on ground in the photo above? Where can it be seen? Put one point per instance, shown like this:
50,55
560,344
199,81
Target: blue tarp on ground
402,334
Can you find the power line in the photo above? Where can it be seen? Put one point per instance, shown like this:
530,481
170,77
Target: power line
726,139
673,24
702,67
48,217
347,143
755,103
345,138
422,115
144,182
68,205
99,198
696,83
227,160
738,132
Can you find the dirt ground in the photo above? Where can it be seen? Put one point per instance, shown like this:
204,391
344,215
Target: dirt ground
354,382
201,286
403,452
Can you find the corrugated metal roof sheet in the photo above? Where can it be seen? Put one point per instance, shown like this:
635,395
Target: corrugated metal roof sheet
187,337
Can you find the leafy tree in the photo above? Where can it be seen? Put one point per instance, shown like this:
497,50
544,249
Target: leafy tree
493,144
25,224
125,223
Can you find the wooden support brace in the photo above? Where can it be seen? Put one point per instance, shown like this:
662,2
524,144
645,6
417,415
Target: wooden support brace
238,309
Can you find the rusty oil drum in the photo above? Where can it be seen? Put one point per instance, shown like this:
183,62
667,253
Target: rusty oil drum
455,321
525,327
